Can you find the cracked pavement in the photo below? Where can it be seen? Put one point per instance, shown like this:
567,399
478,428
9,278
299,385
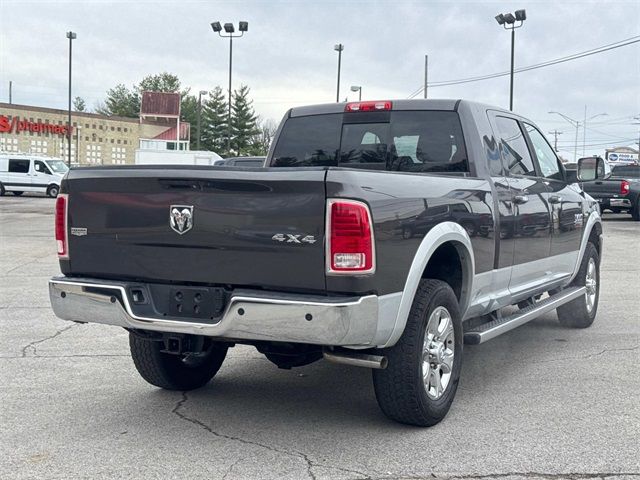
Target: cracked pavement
541,402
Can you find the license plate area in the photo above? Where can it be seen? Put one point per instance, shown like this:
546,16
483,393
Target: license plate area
205,304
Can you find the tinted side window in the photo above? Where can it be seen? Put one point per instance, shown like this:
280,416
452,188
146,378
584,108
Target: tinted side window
19,166
547,159
514,147
308,142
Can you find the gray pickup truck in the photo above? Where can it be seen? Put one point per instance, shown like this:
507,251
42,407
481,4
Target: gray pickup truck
381,234
617,190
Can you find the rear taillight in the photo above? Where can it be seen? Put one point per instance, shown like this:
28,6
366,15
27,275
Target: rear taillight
377,106
350,243
624,187
62,205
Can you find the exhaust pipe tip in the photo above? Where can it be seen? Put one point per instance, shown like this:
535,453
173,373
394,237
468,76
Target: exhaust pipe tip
355,359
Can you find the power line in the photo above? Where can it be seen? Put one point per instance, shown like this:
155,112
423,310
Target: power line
575,56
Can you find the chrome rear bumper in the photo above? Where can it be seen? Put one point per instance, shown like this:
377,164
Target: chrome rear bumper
249,315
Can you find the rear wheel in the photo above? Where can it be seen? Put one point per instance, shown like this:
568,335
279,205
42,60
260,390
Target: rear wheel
53,191
2,190
420,381
17,194
581,312
176,372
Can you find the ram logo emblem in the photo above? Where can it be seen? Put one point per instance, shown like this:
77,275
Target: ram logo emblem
181,218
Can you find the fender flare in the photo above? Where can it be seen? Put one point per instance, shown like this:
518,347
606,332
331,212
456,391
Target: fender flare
594,218
437,236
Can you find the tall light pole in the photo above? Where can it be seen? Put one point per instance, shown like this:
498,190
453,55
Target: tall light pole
338,48
576,124
200,94
509,22
229,29
584,128
71,36
357,88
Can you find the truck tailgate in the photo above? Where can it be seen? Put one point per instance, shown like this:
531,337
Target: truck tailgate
247,226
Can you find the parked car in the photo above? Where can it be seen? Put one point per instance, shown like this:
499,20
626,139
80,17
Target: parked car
618,190
383,235
28,173
241,162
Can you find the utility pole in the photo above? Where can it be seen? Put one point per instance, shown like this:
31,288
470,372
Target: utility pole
10,93
555,134
426,73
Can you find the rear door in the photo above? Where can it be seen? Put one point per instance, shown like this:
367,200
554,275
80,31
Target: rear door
531,226
201,225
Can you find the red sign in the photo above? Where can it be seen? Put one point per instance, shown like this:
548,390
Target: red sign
16,125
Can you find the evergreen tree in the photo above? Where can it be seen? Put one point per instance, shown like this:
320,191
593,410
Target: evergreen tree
214,122
244,122
189,113
79,105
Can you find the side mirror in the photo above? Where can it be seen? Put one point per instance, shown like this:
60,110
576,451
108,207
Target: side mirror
590,168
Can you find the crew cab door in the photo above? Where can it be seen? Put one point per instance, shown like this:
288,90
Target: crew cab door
565,204
530,225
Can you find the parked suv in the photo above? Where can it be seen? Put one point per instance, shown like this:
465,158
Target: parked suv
27,173
383,234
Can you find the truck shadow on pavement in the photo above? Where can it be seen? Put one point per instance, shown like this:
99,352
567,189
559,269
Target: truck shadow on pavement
249,392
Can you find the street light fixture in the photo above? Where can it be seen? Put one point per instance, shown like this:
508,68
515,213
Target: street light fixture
511,22
338,48
357,88
230,29
200,95
71,36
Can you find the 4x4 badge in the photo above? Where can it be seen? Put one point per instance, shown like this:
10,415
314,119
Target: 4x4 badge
181,218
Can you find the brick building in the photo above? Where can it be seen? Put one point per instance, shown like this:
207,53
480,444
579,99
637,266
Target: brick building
95,139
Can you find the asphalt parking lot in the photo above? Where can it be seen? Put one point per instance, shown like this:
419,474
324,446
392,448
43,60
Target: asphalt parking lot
539,402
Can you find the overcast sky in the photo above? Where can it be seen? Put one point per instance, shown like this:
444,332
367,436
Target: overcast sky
287,57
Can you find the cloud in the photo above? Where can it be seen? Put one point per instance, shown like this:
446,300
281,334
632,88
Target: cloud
287,57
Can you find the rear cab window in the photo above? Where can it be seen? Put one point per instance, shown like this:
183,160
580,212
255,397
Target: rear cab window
409,141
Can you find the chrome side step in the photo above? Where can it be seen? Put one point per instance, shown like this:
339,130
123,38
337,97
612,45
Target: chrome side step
501,325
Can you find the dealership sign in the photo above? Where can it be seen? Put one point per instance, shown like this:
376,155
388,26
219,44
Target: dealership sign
622,157
15,125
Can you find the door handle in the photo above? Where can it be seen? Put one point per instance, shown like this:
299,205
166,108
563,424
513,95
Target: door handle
598,183
555,199
520,199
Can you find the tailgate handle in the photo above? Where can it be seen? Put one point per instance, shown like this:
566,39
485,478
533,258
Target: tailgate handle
177,184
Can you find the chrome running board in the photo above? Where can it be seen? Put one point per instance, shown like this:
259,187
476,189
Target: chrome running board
500,325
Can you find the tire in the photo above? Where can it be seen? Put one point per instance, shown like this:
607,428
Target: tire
17,194
53,191
635,212
2,190
175,372
615,210
400,389
581,312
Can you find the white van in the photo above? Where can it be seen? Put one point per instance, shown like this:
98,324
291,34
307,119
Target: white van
21,173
